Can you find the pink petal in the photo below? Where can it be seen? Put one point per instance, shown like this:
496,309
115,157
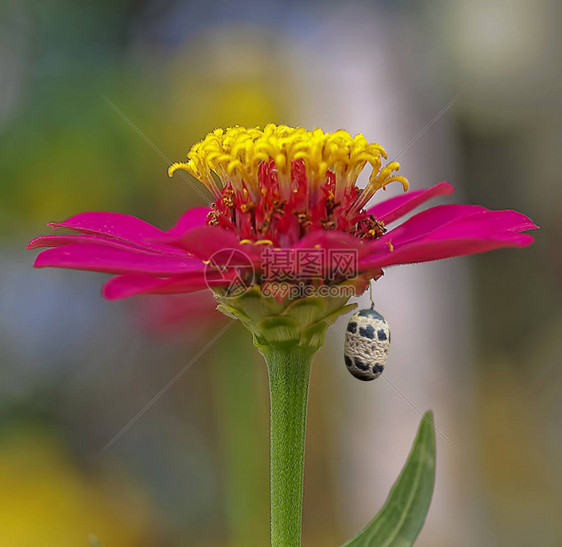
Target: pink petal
190,219
449,230
205,241
68,239
438,217
389,210
194,283
322,239
424,251
59,240
118,226
102,258
124,286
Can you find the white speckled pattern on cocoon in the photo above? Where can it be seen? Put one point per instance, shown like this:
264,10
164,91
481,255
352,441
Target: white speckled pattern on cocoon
367,341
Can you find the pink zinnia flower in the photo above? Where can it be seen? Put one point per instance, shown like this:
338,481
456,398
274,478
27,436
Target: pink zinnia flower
283,198
280,189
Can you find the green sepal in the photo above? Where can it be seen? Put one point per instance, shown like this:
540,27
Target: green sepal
278,329
306,310
402,517
284,324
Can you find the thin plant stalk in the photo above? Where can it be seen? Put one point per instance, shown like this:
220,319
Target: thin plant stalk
289,373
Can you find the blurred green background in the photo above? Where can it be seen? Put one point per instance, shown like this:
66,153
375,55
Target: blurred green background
97,98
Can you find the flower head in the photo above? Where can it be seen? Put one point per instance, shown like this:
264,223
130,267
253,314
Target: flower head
279,184
281,195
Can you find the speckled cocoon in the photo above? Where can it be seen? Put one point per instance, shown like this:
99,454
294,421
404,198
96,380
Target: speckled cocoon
367,342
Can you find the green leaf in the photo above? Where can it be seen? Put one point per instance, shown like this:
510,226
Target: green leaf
401,519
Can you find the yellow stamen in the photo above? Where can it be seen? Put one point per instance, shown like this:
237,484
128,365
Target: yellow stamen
380,179
235,155
257,242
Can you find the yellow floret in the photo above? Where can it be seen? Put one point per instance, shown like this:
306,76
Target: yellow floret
236,153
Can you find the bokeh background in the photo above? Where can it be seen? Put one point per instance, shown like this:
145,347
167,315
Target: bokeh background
143,422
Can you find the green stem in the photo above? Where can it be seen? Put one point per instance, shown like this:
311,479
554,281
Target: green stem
289,372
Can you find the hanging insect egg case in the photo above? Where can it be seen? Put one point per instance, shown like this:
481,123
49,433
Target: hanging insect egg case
367,341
